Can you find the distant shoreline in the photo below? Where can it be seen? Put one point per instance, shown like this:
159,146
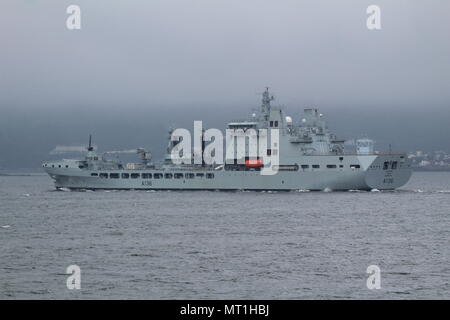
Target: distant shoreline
431,170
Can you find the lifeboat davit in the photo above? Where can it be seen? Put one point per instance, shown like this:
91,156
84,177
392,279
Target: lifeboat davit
254,163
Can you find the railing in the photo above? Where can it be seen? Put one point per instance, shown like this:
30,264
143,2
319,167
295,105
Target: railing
300,140
358,154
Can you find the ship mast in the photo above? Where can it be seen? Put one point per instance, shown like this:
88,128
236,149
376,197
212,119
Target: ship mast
265,104
90,147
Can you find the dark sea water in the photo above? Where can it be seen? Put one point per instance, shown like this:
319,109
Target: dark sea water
223,245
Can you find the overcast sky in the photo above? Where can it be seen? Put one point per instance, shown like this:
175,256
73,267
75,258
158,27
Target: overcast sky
176,58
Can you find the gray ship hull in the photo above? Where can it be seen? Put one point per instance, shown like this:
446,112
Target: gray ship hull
304,155
348,172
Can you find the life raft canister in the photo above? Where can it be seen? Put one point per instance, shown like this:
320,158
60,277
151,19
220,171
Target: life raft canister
254,163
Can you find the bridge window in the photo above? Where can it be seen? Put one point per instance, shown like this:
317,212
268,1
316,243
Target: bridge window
305,166
331,166
114,175
157,175
210,176
168,176
125,175
386,165
93,174
135,175
394,165
355,166
316,166
189,176
178,176
146,176
200,175
275,123
82,165
271,124
104,175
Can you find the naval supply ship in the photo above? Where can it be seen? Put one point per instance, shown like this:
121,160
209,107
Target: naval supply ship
310,158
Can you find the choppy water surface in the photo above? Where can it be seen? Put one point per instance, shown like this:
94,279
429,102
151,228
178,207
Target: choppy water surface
219,245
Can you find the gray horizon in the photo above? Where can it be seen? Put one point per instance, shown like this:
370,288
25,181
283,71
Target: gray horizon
136,68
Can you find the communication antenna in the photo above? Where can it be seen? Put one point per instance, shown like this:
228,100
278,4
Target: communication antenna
90,147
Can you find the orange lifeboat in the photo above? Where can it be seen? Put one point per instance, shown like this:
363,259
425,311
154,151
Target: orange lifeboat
254,163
